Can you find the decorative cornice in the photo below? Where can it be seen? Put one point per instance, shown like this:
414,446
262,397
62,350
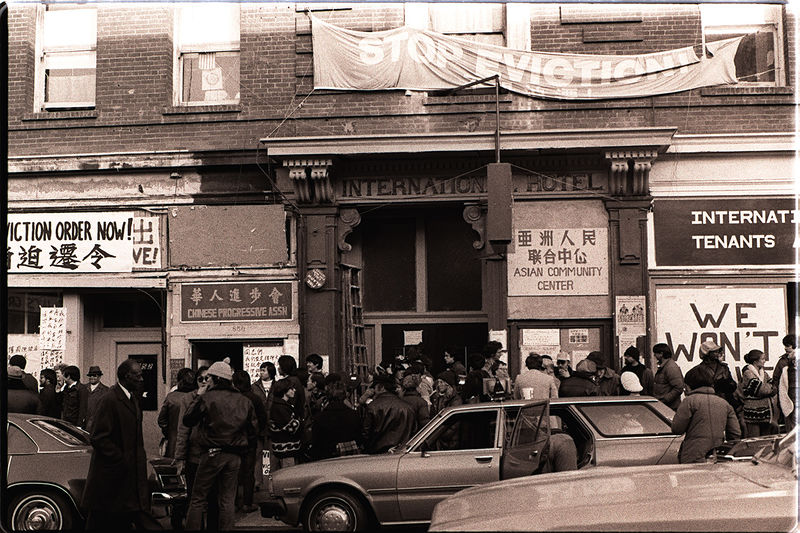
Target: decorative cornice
629,171
311,179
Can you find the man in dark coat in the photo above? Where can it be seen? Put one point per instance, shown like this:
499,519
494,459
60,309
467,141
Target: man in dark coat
47,395
337,429
29,381
73,401
116,493
388,420
581,382
94,391
20,398
724,384
247,480
668,380
173,407
633,364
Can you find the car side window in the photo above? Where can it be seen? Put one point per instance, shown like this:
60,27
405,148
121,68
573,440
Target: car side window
625,419
474,430
19,442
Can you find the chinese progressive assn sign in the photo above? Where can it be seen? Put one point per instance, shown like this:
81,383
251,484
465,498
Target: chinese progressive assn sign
224,302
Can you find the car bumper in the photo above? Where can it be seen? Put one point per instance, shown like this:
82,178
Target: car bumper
273,508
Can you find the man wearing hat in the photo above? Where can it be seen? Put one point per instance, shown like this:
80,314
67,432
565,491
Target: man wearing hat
445,393
668,379
712,356
607,380
388,420
581,382
632,364
94,391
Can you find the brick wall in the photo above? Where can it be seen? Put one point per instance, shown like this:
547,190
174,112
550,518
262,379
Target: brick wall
135,112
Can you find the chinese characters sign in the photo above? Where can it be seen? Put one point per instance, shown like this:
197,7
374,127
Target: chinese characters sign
559,262
80,242
53,328
218,302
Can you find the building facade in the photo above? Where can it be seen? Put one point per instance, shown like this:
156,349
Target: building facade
180,192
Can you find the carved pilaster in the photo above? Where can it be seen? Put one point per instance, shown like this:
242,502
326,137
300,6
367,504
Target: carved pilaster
629,172
311,179
476,217
348,220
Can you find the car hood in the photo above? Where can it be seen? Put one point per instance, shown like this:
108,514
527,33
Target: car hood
722,496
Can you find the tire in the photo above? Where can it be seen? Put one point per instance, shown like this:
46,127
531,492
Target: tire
40,510
335,510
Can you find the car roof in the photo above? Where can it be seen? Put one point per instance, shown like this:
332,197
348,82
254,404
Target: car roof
555,401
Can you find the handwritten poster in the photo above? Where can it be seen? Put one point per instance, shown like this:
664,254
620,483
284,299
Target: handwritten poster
53,328
255,354
28,347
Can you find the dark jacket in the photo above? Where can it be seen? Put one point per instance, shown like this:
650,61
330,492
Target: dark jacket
707,420
186,446
645,376
169,416
580,383
117,479
261,414
608,383
668,383
724,384
422,413
30,382
92,401
284,427
73,404
562,455
473,386
299,405
266,398
21,399
50,405
224,417
336,423
388,421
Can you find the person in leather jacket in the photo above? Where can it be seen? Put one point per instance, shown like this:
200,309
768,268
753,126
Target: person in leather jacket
388,420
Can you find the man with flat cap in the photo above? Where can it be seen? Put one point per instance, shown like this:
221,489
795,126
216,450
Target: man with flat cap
94,391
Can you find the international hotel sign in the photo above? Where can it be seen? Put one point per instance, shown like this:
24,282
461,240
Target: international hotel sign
469,185
709,232
236,301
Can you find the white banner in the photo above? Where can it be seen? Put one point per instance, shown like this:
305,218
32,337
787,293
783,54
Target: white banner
408,58
559,262
738,319
254,355
70,242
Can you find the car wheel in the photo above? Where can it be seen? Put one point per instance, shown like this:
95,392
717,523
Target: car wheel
42,511
335,511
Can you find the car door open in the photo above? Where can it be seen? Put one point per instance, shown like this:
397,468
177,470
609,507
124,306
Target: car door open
528,441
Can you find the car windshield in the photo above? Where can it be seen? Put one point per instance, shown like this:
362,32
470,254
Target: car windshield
625,419
64,431
780,452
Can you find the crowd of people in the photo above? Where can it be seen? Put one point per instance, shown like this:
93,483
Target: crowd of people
226,431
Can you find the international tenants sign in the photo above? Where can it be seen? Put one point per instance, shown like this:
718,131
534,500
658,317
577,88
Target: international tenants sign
408,58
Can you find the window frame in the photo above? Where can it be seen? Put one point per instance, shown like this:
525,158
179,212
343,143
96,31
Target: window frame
773,23
25,295
40,103
180,50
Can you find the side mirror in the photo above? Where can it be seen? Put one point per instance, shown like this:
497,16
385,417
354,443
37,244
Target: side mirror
424,448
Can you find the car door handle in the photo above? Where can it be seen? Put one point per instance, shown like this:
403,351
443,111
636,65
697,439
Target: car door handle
484,459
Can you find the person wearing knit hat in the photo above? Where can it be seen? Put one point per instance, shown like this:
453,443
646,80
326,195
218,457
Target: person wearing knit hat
630,383
633,364
713,357
581,382
20,398
445,394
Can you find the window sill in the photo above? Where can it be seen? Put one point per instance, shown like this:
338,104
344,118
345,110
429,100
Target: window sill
746,90
188,110
60,115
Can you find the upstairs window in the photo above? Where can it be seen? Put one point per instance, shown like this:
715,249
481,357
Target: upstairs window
207,50
498,24
67,57
759,60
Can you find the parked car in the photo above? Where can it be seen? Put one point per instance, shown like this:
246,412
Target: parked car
47,464
759,494
462,447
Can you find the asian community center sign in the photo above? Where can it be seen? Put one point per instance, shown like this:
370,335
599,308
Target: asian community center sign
408,58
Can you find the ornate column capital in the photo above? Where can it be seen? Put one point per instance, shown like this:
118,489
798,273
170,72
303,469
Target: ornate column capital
311,179
348,219
629,171
476,217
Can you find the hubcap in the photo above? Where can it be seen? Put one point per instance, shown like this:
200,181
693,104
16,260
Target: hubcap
37,513
334,516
